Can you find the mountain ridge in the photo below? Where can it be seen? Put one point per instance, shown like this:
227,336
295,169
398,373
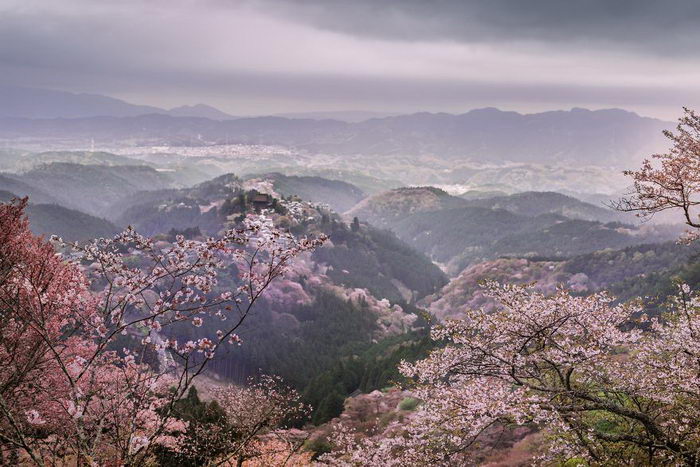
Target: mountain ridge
577,137
26,102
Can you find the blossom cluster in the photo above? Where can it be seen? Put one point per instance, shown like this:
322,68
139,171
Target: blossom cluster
62,319
572,366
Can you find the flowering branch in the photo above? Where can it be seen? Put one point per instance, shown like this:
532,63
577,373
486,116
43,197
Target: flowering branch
64,376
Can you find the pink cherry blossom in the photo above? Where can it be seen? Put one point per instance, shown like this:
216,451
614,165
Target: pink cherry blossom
60,319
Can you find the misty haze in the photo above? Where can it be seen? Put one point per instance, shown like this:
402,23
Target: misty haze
349,233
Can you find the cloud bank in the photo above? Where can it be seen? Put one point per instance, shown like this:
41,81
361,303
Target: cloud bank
268,56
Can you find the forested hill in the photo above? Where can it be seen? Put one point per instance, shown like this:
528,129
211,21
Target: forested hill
337,194
385,208
357,255
460,232
535,203
89,188
69,224
649,271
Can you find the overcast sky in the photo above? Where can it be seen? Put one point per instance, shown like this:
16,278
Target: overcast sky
269,56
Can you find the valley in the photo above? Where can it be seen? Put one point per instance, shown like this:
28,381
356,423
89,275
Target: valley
409,246
331,233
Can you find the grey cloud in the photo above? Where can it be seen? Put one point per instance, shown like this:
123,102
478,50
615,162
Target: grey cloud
257,93
646,26
129,52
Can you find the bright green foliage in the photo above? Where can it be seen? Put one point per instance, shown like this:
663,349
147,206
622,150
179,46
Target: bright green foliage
409,403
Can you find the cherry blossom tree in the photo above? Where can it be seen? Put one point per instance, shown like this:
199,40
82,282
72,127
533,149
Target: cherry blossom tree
66,392
239,424
600,389
670,181
40,296
262,407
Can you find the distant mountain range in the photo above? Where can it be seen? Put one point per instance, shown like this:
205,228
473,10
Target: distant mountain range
342,115
21,102
577,137
24,102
